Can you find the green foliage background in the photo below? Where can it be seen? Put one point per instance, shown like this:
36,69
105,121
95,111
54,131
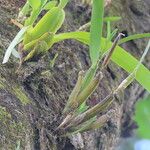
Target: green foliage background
142,117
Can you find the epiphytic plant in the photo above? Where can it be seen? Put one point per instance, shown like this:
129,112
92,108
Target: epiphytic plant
35,38
80,120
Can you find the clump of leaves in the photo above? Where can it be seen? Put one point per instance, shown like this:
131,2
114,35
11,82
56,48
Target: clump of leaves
142,113
49,38
79,121
35,38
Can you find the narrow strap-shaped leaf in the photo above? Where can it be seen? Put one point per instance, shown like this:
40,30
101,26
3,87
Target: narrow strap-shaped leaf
134,37
25,9
143,57
128,63
132,76
96,30
111,19
81,36
106,19
120,56
13,44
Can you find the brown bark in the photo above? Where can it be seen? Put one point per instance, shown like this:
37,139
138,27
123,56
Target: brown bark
48,88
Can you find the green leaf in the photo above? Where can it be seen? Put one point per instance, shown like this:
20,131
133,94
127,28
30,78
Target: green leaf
120,56
114,32
35,4
96,30
37,8
62,3
12,45
83,107
50,5
25,10
111,19
33,17
143,56
142,117
106,19
128,63
90,73
43,2
83,37
108,30
134,37
132,75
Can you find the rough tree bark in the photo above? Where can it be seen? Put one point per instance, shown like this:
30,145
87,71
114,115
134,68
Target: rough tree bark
32,100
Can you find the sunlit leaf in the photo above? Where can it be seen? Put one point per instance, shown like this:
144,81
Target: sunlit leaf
134,37
120,56
25,10
50,5
96,30
111,19
35,4
43,2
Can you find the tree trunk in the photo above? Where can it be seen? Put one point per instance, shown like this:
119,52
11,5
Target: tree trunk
32,100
